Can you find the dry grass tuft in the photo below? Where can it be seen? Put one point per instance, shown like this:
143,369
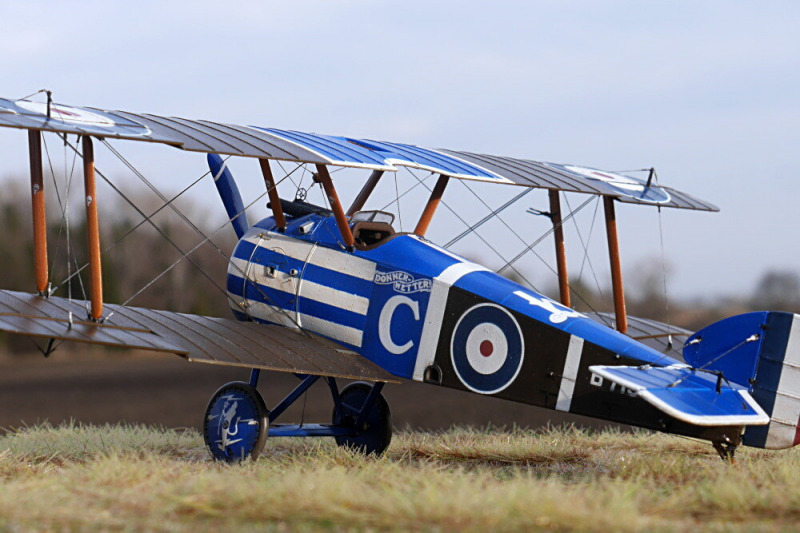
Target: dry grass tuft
135,478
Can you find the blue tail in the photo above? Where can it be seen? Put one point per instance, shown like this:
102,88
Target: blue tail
229,193
759,351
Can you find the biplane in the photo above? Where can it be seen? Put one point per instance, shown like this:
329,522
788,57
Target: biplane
328,292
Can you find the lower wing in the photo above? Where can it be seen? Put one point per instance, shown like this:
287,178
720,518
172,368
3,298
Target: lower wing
197,338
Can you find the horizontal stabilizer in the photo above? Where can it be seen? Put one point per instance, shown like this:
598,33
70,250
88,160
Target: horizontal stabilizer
687,395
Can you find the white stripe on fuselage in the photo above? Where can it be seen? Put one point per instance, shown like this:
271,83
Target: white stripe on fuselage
321,256
570,373
431,329
324,327
309,289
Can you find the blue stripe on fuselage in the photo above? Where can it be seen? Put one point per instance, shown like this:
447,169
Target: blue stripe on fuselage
332,278
307,306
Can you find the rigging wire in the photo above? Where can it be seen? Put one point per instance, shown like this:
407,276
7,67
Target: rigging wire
63,215
65,227
544,235
185,254
492,248
426,178
397,201
585,245
517,235
155,226
664,273
487,218
501,208
147,219
137,226
40,91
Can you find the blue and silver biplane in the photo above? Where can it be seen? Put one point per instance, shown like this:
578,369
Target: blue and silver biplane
330,293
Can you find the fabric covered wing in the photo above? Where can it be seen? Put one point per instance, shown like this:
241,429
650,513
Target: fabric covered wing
197,338
311,148
687,395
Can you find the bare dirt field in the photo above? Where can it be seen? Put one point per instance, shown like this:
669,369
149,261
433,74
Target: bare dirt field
165,390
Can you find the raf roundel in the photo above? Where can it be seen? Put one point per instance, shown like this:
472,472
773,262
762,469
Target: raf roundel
487,348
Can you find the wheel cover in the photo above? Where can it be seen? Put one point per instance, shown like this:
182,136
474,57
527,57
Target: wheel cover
376,434
235,425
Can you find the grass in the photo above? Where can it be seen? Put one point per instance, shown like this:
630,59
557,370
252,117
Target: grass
119,478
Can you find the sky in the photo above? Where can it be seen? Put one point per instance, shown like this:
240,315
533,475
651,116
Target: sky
706,92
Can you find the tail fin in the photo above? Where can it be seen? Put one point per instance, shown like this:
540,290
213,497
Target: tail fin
760,351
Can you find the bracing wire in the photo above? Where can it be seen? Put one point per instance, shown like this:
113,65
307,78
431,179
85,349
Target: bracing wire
585,245
664,272
155,226
487,218
40,91
543,237
184,255
397,201
426,178
137,226
168,203
488,245
512,230
65,226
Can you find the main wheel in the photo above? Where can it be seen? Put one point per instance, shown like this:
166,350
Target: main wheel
375,433
236,423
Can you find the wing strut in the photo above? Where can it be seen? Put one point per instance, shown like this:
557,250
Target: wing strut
92,230
365,192
430,207
274,199
39,214
616,268
561,251
336,205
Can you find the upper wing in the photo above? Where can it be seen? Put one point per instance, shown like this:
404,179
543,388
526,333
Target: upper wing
271,143
197,338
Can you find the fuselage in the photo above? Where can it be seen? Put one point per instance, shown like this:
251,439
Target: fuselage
423,313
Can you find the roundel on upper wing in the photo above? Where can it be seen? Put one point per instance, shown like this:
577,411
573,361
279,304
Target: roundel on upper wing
621,184
84,118
487,348
69,114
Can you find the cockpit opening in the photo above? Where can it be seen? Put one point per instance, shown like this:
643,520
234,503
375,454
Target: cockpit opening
371,228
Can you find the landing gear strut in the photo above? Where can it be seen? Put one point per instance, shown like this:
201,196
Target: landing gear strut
237,420
363,408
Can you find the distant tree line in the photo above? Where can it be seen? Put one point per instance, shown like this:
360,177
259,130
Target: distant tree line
775,290
140,257
135,260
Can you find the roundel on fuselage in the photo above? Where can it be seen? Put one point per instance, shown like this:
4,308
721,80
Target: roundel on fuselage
487,348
